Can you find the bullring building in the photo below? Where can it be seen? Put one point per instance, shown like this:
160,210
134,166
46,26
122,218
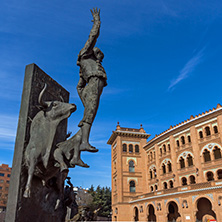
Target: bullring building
176,176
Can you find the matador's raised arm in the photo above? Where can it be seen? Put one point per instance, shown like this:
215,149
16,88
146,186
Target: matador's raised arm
94,34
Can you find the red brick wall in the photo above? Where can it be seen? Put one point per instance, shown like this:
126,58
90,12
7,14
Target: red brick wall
5,172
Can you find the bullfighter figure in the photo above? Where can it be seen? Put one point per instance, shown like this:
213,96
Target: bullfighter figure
90,86
92,80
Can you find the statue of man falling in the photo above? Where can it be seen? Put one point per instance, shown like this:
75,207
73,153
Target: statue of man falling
92,80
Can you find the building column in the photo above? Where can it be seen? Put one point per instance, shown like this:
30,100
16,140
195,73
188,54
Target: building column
212,155
196,152
157,165
174,161
119,174
219,126
185,162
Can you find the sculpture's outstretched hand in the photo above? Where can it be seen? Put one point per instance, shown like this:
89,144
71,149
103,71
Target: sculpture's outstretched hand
96,14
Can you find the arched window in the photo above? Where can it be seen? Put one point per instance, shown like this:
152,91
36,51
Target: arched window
168,147
210,176
207,131
156,188
165,185
219,174
206,155
137,149
190,160
169,166
215,129
217,153
130,148
124,147
132,186
151,188
182,162
182,140
200,134
164,148
171,184
151,155
164,168
154,170
160,151
131,166
151,174
178,143
184,181
189,139
192,179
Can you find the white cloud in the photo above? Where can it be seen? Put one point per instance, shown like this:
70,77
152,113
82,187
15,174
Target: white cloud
188,68
8,127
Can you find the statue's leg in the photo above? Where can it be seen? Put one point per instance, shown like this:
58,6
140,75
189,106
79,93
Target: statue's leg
59,158
76,160
31,168
85,146
92,96
60,184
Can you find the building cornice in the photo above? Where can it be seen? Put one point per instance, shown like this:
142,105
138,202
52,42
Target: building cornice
127,134
182,126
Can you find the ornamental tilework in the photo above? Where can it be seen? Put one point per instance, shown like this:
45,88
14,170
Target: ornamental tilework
194,197
210,195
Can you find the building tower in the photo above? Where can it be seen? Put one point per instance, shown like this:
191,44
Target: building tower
128,164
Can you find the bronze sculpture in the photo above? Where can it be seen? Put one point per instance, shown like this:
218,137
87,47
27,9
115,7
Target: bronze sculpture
90,86
42,133
92,80
43,156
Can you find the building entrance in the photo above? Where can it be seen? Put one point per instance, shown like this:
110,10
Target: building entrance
173,213
136,214
151,214
204,210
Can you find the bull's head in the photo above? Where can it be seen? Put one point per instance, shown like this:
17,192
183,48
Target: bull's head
56,109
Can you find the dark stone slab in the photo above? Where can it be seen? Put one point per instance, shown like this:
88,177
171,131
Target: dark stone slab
41,205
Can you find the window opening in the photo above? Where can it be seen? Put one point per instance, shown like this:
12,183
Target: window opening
132,186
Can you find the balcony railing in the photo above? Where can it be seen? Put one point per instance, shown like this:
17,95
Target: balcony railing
210,137
180,189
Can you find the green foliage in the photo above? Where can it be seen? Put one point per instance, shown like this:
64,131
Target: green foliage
101,200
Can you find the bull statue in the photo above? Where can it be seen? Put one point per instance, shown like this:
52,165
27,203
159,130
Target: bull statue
42,133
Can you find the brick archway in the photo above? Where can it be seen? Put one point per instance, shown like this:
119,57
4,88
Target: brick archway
135,214
151,216
172,211
204,209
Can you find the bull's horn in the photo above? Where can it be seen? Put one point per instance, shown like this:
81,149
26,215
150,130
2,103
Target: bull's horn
61,98
41,102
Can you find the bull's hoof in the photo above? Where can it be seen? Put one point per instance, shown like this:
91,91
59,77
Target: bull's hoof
27,193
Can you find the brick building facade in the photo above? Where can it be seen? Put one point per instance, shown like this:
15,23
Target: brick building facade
176,176
5,172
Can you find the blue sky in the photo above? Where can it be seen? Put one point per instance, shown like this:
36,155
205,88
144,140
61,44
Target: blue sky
162,58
